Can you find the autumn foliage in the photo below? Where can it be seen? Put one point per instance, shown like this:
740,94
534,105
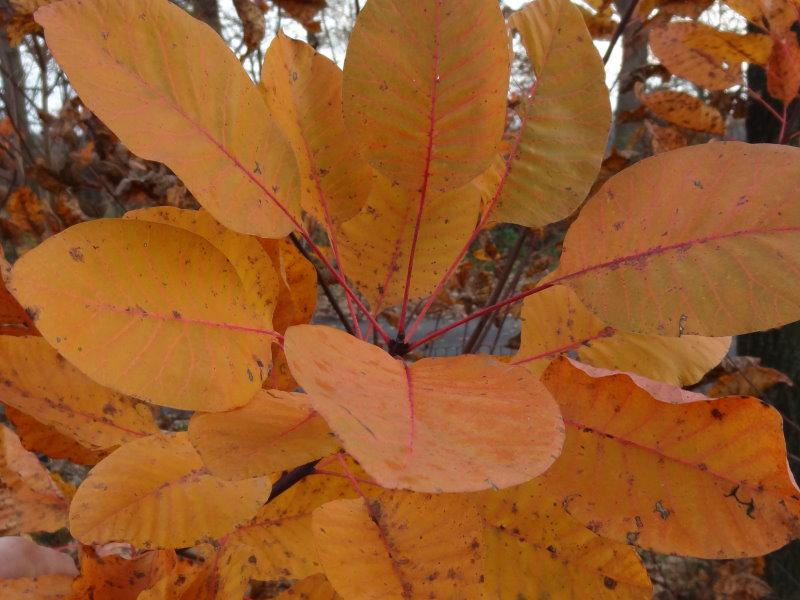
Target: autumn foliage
346,464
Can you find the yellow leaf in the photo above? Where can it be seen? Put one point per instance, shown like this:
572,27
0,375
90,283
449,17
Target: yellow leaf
669,44
304,92
38,437
777,16
401,545
695,241
39,382
727,45
29,498
684,110
137,493
440,425
259,275
707,479
297,298
427,106
151,310
555,322
276,431
171,89
280,536
376,244
534,549
564,124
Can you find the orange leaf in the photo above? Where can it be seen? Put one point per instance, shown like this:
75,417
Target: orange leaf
274,432
29,498
669,44
118,578
684,110
401,545
260,277
534,549
13,318
377,243
707,479
123,57
148,309
38,437
304,92
441,425
783,69
427,106
135,494
711,253
749,381
555,322
47,587
556,154
280,536
39,382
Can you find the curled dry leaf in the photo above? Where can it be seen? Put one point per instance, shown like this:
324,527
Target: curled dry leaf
139,46
719,213
186,334
275,431
29,498
468,423
751,380
156,493
684,110
667,483
119,578
700,66
427,108
555,322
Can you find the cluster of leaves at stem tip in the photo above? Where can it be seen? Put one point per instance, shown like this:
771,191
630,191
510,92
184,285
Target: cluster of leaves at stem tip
314,456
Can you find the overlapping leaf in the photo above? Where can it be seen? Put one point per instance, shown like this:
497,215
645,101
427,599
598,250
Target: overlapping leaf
427,108
150,310
259,275
171,89
13,318
555,322
156,492
556,153
304,92
704,240
455,424
401,545
377,243
276,431
713,72
707,479
29,498
534,549
39,382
